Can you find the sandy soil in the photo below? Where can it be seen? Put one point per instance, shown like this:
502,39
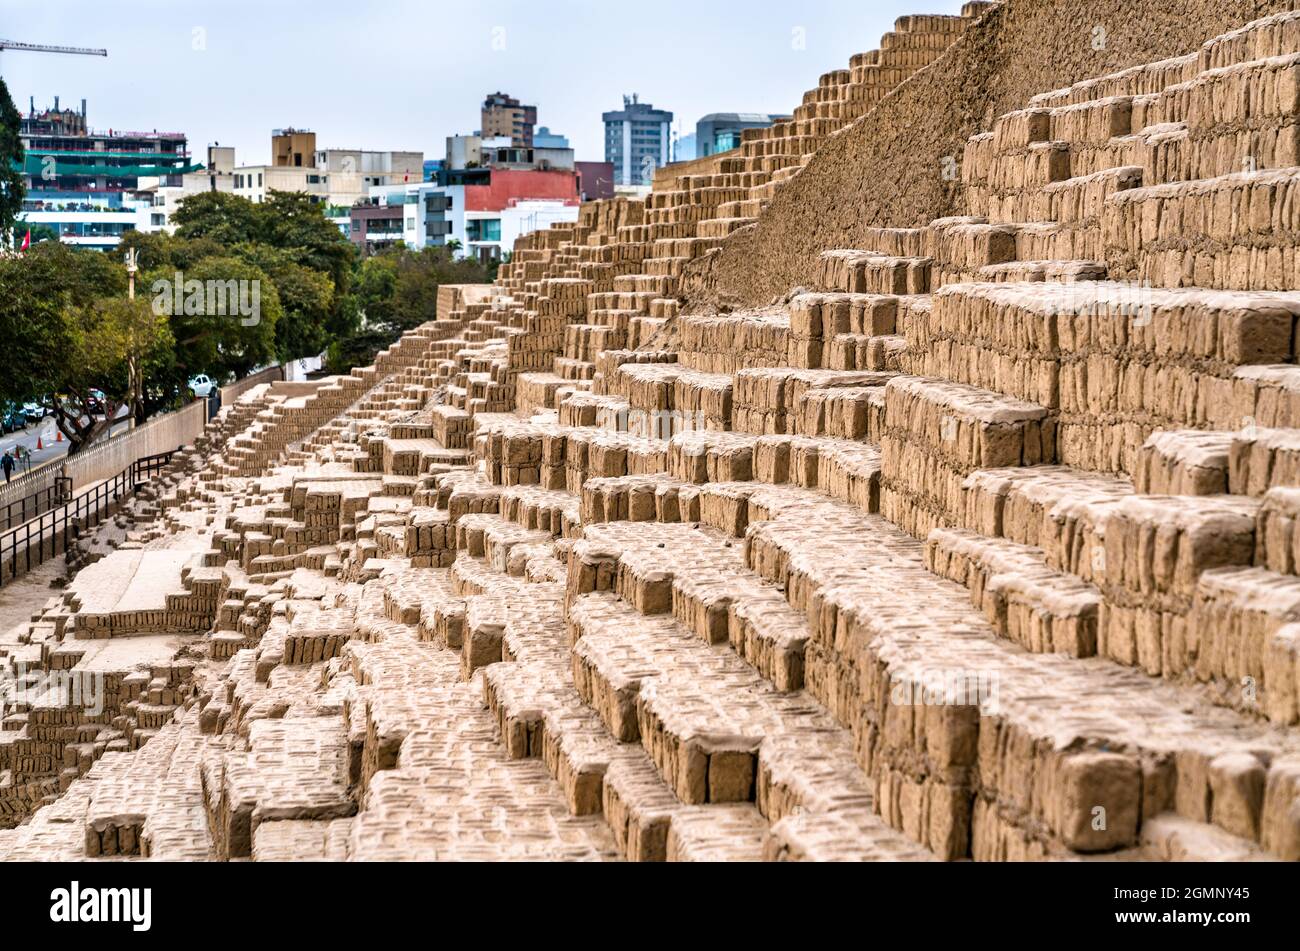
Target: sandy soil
20,599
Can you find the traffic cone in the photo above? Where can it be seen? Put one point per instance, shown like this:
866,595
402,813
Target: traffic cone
39,447
58,436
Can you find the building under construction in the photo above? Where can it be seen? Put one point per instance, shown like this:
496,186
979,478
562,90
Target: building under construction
83,183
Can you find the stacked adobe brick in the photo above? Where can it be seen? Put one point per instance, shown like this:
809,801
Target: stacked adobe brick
978,548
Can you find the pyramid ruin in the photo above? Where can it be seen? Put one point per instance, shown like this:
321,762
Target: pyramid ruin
980,542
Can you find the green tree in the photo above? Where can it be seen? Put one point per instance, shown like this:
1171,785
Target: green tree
41,233
215,330
395,291
115,344
70,330
161,251
12,189
220,216
291,220
419,273
296,227
57,268
306,300
357,349
376,286
32,298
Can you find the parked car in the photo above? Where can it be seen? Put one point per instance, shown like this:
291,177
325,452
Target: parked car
35,412
202,385
12,418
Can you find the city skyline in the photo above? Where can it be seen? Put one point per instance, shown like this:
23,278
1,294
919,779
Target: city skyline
230,89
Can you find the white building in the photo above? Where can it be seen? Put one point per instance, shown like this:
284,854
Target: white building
485,220
90,221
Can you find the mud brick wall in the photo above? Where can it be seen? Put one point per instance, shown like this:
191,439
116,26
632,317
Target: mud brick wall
1238,116
1111,367
826,327
1234,233
727,343
895,167
936,434
767,401
1241,625
1146,613
668,398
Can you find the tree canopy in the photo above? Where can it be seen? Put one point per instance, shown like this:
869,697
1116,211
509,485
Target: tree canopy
71,330
239,285
12,189
397,290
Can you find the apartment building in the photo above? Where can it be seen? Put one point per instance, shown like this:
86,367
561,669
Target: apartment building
504,115
638,139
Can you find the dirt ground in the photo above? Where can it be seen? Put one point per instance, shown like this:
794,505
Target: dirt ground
20,599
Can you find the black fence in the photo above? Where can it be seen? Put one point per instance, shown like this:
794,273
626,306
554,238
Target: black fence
29,506
49,534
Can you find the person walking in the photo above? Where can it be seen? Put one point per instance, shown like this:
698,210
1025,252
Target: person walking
7,463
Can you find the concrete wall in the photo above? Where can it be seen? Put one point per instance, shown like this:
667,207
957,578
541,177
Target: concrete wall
107,459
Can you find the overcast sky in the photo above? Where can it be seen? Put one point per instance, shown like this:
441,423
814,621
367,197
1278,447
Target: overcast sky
405,74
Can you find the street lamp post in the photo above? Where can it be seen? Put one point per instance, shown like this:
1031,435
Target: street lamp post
131,268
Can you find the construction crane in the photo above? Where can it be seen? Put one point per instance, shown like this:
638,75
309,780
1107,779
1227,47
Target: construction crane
42,48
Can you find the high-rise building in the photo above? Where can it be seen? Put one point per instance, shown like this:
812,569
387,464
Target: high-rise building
638,140
684,148
85,184
506,116
720,131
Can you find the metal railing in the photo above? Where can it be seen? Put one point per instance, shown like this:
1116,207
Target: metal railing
49,534
29,506
104,459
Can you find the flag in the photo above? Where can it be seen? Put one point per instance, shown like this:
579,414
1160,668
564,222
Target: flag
27,241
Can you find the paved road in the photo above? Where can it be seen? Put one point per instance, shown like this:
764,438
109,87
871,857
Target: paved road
47,433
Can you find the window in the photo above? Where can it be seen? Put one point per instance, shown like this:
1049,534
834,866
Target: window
484,229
